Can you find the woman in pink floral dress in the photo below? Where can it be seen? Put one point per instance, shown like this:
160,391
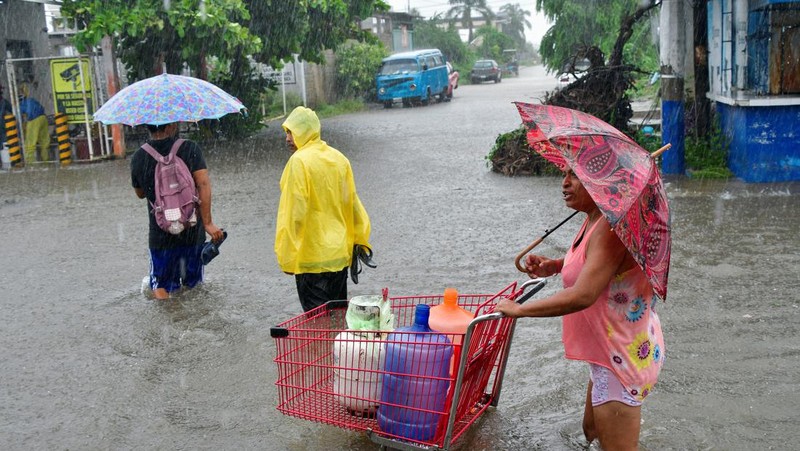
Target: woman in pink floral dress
609,321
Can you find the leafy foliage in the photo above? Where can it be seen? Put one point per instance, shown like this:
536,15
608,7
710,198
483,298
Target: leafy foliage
517,22
707,156
493,43
219,40
427,34
464,10
307,27
148,34
356,66
581,25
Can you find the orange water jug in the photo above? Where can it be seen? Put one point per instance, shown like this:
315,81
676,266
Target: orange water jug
449,318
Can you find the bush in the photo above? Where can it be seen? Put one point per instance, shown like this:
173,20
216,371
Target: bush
705,157
356,66
511,155
247,84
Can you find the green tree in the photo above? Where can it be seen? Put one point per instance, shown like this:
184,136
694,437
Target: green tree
428,34
463,9
493,43
517,22
581,25
226,35
149,35
308,27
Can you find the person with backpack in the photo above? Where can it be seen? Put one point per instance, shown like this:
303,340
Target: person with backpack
322,227
178,190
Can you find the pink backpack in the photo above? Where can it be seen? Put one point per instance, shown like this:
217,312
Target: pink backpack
176,193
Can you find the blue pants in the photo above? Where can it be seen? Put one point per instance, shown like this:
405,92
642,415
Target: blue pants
171,269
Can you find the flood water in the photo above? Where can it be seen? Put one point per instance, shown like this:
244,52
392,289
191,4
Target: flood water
91,363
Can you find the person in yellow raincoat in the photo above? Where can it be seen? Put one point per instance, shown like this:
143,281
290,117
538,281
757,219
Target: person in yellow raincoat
34,121
320,217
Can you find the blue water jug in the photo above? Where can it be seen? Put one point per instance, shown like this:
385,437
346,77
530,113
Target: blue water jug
417,356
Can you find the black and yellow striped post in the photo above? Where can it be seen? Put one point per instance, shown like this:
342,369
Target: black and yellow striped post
12,140
62,134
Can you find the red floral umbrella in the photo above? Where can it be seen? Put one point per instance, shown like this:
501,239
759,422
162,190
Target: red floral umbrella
621,177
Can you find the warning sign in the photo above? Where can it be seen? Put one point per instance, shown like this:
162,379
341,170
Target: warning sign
72,88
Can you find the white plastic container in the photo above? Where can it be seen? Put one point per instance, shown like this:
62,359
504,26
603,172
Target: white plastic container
359,359
5,157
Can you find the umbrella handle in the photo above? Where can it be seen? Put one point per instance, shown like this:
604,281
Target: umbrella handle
658,152
538,241
525,251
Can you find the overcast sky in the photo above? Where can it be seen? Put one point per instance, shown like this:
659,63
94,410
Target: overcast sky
430,7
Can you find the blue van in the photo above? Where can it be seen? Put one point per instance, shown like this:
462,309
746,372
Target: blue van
412,77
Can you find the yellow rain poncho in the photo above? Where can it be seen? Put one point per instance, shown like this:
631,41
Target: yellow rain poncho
320,216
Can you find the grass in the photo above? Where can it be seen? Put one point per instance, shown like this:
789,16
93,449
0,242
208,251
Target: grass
342,107
273,106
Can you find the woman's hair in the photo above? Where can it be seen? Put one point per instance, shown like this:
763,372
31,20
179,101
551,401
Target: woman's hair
156,128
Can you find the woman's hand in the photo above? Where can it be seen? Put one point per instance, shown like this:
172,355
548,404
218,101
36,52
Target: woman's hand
538,266
213,231
508,307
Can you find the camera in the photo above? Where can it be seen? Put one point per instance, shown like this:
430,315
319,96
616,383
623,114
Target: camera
71,73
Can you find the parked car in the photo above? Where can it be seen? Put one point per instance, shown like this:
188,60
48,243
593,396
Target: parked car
565,78
571,72
452,76
485,70
412,77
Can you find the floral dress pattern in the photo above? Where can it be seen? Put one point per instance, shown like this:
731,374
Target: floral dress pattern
620,331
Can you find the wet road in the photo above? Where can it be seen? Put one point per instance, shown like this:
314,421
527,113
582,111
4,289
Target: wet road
90,363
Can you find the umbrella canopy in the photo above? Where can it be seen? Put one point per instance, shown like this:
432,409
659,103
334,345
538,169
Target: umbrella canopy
166,98
621,177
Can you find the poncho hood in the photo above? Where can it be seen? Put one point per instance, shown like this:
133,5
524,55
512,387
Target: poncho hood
304,125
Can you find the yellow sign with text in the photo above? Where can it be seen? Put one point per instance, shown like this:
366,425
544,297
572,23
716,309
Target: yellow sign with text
72,88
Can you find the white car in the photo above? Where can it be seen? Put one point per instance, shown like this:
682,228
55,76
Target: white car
568,76
565,78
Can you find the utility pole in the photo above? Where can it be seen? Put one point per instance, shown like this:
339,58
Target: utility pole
112,84
673,44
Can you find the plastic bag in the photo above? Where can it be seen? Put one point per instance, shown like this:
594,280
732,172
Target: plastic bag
372,312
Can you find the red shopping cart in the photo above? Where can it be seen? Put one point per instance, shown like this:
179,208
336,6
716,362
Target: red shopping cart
329,375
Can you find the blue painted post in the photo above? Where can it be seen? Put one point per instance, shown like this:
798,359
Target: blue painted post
672,125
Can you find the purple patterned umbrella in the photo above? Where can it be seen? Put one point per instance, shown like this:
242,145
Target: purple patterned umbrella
166,98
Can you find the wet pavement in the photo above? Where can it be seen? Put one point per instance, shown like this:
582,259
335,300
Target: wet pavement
91,363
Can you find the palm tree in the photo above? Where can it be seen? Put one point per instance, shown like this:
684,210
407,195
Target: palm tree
517,22
463,9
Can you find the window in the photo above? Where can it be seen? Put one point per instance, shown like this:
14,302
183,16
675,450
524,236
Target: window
773,46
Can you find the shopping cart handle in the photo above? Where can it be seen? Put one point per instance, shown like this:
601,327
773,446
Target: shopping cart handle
536,286
278,332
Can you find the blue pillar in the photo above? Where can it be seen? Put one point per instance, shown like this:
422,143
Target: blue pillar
673,132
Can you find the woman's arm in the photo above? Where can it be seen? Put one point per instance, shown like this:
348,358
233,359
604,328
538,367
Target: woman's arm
605,254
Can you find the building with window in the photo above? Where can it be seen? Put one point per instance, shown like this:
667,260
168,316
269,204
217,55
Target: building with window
394,29
754,75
